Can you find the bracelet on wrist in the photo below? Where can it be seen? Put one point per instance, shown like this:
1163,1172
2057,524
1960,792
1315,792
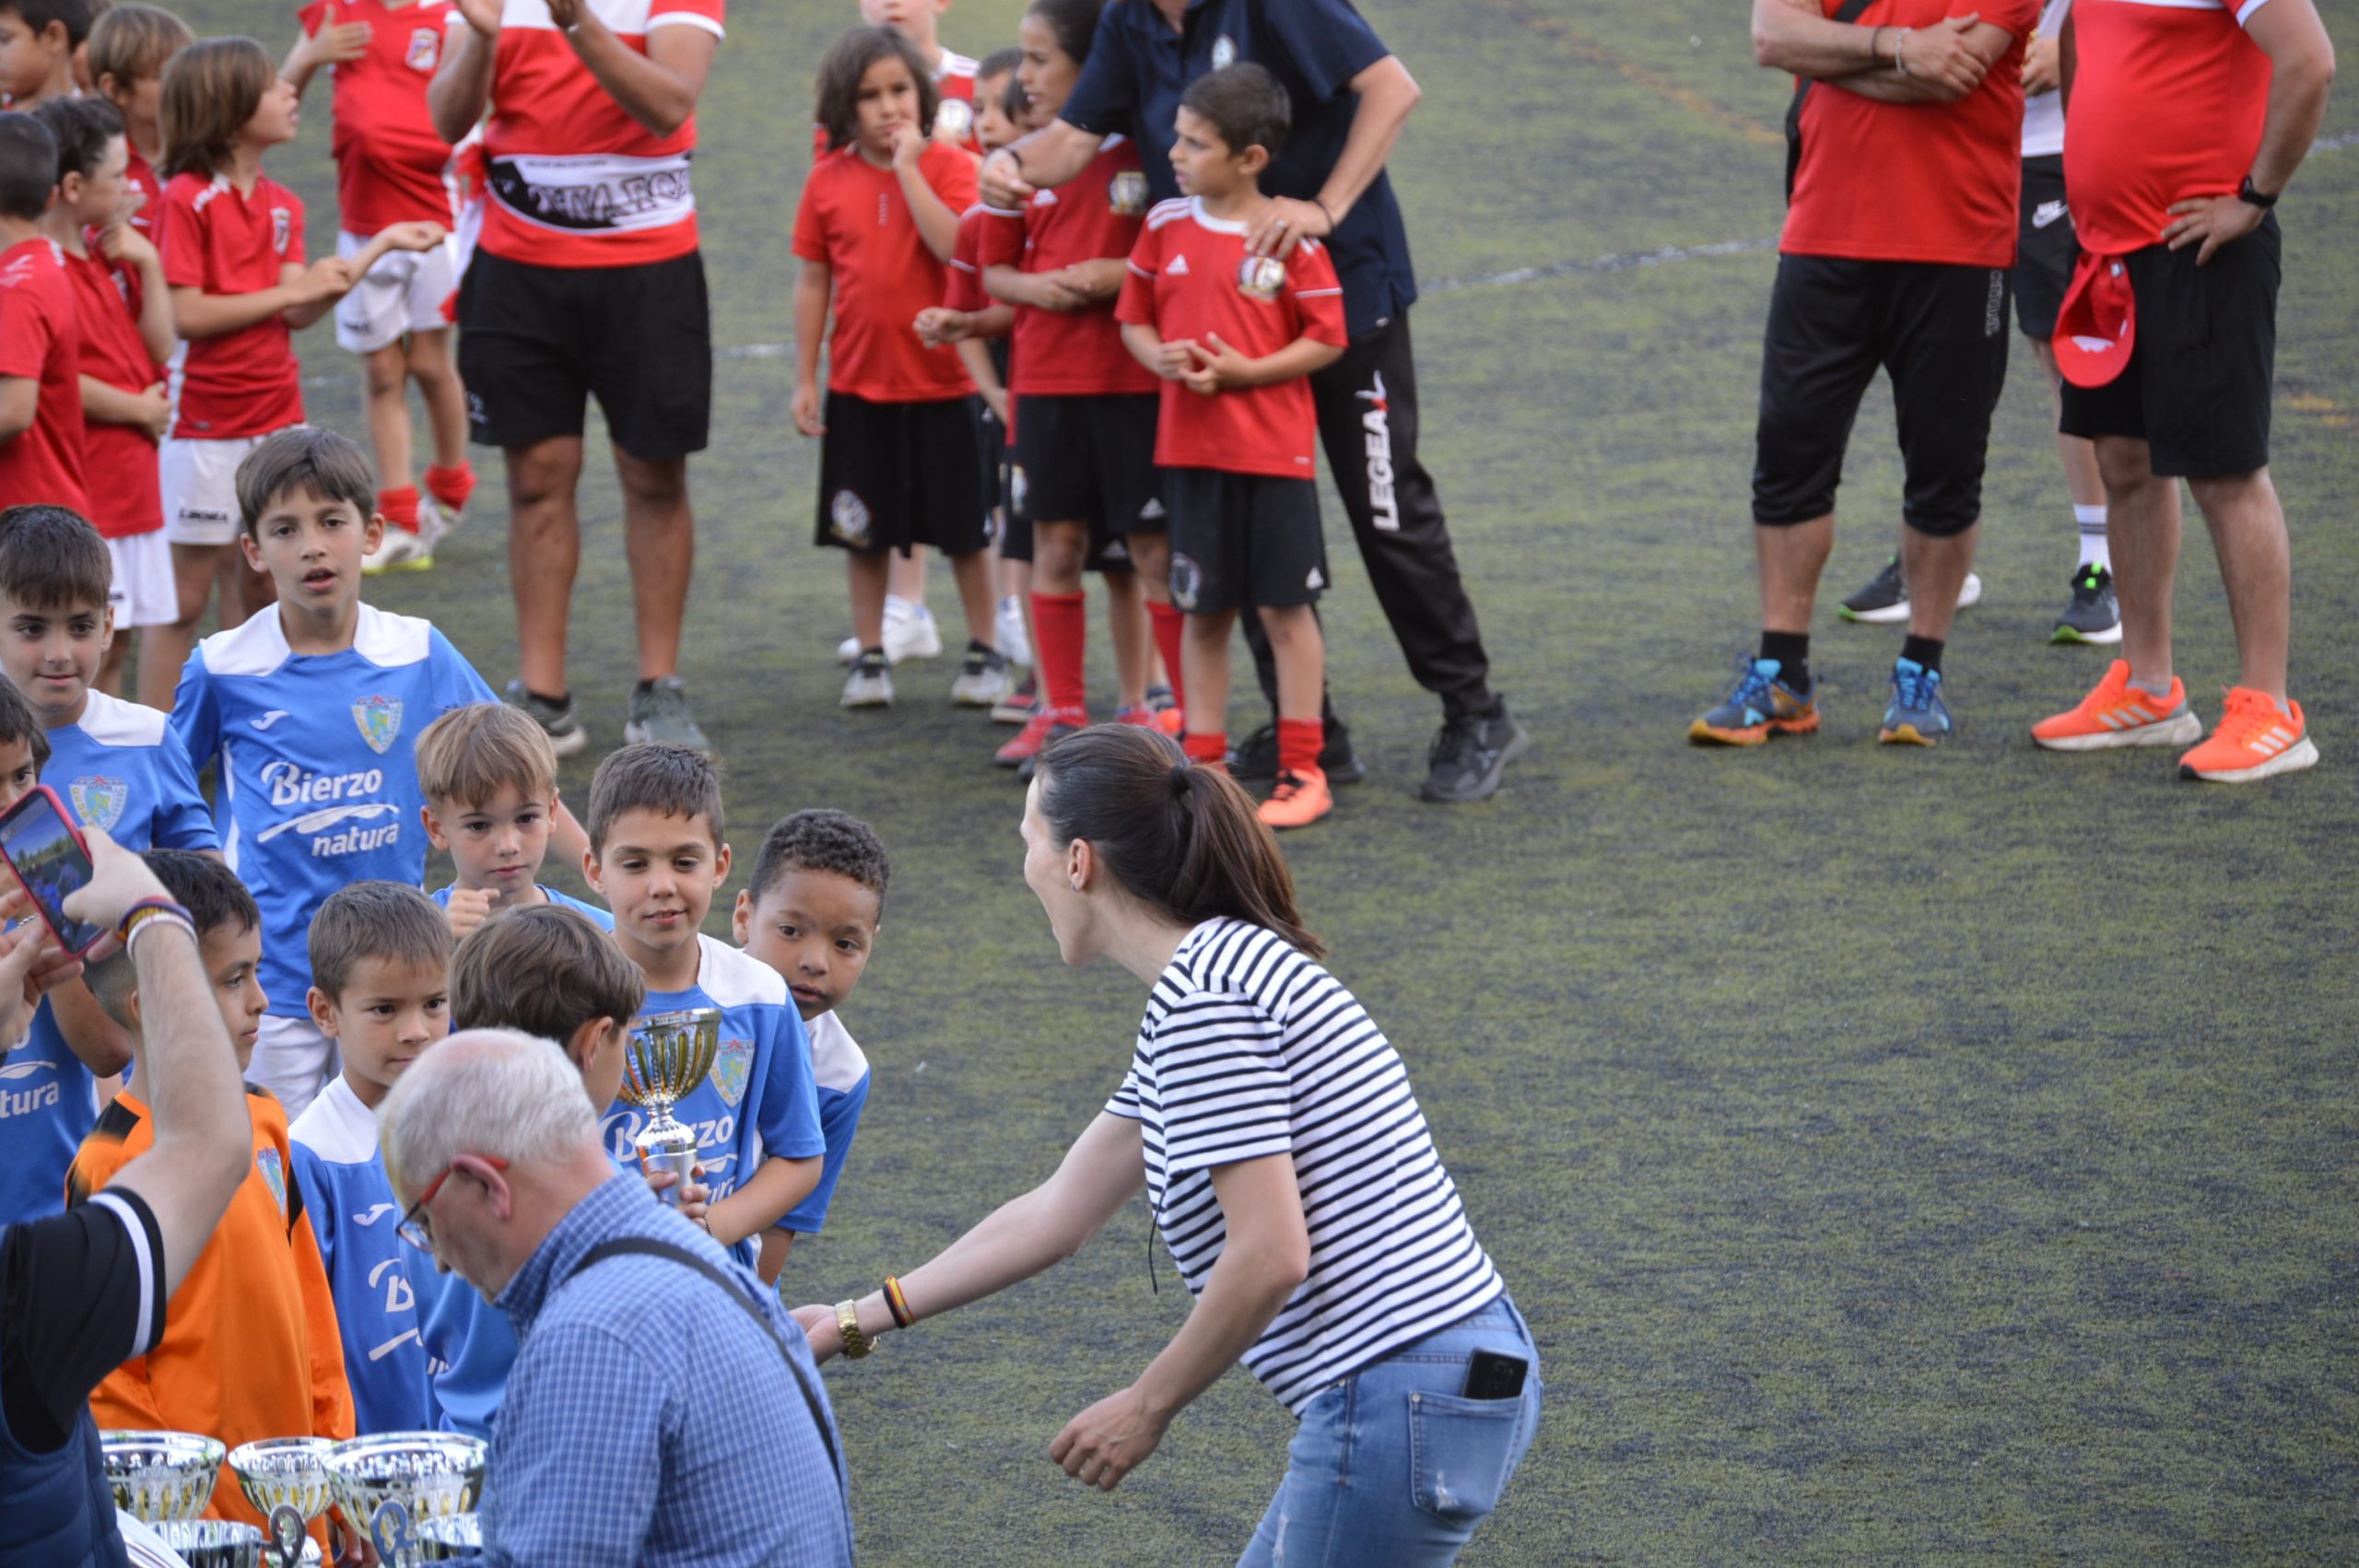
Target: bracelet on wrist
1900,52
856,1343
148,919
898,1305
1324,213
145,905
2251,194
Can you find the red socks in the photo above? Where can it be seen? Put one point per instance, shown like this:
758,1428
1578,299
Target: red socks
1299,742
400,506
1060,629
1170,626
1206,751
451,487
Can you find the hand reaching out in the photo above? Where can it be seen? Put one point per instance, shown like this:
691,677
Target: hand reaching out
414,236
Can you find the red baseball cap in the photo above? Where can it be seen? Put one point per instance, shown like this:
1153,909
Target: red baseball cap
2097,326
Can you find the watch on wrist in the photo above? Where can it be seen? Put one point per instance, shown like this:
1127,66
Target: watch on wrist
2248,193
856,1344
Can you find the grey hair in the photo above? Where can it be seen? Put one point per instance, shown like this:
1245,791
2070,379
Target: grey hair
498,1092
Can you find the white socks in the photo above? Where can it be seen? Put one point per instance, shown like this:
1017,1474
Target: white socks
2095,547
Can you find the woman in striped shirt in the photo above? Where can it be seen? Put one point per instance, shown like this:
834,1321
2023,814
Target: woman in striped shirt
1291,1171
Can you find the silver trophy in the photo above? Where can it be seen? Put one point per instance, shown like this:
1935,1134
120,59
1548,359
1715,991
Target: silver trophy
453,1539
285,1479
667,1056
213,1543
395,1482
157,1476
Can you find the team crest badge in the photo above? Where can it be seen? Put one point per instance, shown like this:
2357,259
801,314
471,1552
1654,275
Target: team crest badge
282,229
425,48
1261,277
848,519
954,118
99,800
1224,53
380,719
732,1066
1187,582
273,1176
1126,192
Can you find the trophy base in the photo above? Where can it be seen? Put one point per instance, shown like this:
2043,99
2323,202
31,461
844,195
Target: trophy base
680,1163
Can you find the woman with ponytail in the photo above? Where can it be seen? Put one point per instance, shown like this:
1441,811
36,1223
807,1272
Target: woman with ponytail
1290,1170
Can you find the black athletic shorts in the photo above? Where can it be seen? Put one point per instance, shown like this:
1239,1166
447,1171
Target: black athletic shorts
1015,519
894,474
1938,329
2045,247
1104,551
1091,459
2197,386
536,343
991,447
1243,540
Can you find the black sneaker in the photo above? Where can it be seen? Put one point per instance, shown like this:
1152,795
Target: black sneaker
1884,600
1469,756
2094,614
560,722
1254,760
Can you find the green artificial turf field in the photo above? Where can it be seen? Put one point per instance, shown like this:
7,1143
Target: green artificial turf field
1900,1157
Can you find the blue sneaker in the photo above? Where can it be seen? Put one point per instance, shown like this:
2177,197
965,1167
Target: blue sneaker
1917,715
1760,707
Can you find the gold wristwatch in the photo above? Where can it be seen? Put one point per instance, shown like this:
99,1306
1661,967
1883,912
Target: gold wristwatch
856,1344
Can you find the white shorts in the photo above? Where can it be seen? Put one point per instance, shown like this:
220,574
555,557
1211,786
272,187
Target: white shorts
143,594
200,489
293,1061
406,291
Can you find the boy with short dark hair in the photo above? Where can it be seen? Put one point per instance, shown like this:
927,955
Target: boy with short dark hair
251,1349
24,747
1234,337
310,712
812,914
657,856
40,358
489,777
117,766
38,38
381,989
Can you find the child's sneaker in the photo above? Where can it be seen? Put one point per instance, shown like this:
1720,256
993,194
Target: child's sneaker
400,551
911,635
1007,632
561,723
1760,706
1300,800
869,684
1164,703
2253,741
1916,715
1029,740
983,679
2118,714
1018,705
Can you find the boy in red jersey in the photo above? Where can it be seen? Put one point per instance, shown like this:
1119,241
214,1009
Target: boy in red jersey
38,38
41,358
125,410
389,162
1234,336
129,48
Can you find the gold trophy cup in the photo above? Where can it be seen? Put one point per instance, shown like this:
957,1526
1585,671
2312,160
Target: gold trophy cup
667,1056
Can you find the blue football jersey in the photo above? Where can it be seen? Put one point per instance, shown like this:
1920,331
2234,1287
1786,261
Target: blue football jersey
117,768
603,919
317,784
759,1101
383,1287
839,1071
472,1344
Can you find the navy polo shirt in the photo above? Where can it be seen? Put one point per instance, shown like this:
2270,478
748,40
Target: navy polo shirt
1139,66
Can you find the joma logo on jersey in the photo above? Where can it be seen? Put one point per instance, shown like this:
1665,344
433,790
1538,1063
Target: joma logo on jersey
1378,422
380,719
99,800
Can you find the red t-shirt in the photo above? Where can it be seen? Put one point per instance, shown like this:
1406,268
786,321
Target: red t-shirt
243,382
953,82
40,341
575,181
141,176
120,460
1096,215
2167,104
1916,182
855,219
963,286
387,155
1189,278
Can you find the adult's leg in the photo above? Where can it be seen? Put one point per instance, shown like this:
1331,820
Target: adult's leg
659,534
2078,454
543,552
1791,559
1818,355
2143,518
2247,526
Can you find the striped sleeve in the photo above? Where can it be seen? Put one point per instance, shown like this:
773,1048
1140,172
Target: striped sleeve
1220,1074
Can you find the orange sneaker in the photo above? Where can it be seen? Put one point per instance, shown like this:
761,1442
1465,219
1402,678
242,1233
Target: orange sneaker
1300,800
2117,714
2253,741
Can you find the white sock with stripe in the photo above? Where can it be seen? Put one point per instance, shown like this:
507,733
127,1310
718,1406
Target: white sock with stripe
2095,546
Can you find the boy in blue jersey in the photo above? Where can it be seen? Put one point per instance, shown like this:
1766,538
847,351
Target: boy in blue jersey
381,989
310,713
489,776
657,857
812,915
117,768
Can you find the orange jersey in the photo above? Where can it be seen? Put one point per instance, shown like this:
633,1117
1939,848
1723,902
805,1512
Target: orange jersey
250,1347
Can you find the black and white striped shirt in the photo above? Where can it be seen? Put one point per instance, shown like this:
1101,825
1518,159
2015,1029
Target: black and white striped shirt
1249,1049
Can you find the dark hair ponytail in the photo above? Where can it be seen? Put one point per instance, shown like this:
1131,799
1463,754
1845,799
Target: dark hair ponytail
1183,838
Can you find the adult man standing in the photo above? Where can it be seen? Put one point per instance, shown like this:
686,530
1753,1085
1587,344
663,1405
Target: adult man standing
1350,96
2184,121
664,1407
587,282
1896,252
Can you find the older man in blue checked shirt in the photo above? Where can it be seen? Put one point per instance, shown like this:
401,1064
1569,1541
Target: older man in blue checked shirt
663,1409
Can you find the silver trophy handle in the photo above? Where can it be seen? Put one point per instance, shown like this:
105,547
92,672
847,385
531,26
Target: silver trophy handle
286,1535
389,1527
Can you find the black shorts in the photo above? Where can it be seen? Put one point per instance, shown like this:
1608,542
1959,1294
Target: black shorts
2045,247
1091,460
990,443
1938,329
2197,387
1104,553
1243,540
536,343
1016,522
894,474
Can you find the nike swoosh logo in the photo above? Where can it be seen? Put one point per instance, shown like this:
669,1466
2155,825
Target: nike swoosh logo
2047,213
267,719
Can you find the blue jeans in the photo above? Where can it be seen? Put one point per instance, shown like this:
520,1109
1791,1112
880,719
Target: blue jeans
1392,1465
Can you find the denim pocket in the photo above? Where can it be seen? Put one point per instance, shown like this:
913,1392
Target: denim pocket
1460,1453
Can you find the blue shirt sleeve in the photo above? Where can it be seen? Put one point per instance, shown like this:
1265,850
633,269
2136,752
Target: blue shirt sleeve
790,1108
1106,99
196,718
582,1460
1325,42
839,1119
456,682
182,820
